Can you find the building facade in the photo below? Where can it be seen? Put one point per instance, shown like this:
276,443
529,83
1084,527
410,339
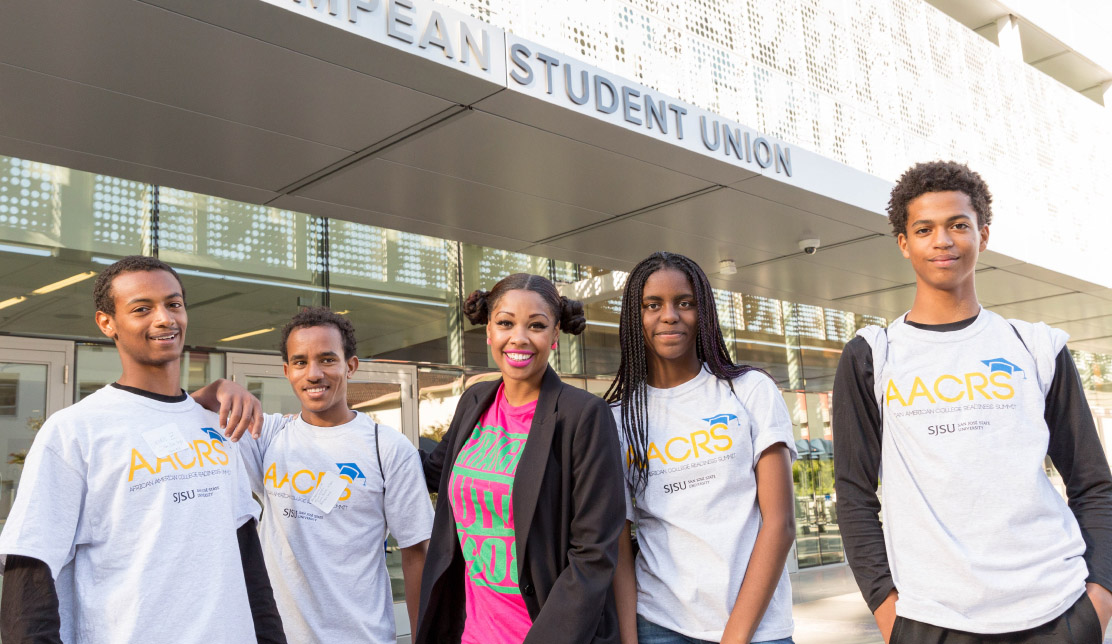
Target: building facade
386,157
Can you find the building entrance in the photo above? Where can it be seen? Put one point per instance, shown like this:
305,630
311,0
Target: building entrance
34,383
818,539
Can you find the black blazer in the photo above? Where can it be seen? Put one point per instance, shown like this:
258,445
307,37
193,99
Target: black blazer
568,512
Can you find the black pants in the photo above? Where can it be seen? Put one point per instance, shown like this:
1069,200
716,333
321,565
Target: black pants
1078,625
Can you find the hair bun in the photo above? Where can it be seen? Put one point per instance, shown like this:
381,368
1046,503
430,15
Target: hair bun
572,320
476,308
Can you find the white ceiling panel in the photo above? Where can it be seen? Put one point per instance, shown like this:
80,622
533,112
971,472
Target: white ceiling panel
877,256
1071,306
135,172
892,302
1094,328
282,27
1047,275
395,189
750,221
800,279
394,222
560,120
1000,286
499,152
631,241
232,76
69,115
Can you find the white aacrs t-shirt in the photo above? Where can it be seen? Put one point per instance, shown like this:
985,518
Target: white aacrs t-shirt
328,570
697,519
143,548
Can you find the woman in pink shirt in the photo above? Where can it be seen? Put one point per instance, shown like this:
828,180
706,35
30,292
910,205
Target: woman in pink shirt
530,505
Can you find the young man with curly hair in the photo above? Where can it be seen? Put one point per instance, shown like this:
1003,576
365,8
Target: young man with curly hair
955,409
332,482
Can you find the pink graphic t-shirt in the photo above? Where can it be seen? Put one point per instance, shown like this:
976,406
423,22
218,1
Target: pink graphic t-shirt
481,489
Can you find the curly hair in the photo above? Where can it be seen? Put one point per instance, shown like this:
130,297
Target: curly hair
628,388
319,316
938,176
569,313
103,299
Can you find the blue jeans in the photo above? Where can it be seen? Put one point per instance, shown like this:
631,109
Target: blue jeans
649,633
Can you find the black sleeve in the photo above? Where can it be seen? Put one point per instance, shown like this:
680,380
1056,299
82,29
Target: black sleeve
433,464
857,443
1076,451
29,605
264,612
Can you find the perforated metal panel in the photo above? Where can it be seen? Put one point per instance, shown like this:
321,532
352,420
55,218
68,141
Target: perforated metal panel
875,84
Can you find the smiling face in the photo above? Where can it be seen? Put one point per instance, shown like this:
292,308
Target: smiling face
149,322
943,240
669,317
521,331
318,373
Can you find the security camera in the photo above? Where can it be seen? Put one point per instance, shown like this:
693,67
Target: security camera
809,246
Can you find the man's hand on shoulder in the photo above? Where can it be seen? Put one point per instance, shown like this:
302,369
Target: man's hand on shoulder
1102,602
239,411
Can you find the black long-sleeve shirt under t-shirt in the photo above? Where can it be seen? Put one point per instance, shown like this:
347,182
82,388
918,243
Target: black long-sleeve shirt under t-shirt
1074,448
29,602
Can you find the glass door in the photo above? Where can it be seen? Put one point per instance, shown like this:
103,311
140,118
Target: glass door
34,383
818,539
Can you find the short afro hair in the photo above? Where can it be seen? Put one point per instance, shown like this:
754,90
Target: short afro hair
103,299
938,176
319,316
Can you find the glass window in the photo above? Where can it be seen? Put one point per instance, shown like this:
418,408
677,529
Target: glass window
97,365
246,269
396,288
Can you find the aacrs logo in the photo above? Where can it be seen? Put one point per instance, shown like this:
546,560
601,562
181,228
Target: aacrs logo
304,481
701,443
952,388
202,453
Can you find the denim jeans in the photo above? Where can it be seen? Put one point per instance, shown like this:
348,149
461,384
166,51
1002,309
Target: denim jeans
650,633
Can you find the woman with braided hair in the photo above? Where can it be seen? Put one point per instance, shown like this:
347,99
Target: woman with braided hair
529,509
708,447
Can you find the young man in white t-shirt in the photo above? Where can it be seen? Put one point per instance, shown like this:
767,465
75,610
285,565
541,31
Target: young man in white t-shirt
956,409
333,482
134,520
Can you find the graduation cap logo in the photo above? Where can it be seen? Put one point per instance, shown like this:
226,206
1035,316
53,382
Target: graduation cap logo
352,471
213,434
1005,366
721,420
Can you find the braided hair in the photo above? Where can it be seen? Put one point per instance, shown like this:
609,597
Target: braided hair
628,388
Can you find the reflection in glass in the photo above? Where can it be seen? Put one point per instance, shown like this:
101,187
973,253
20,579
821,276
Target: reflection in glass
99,364
22,413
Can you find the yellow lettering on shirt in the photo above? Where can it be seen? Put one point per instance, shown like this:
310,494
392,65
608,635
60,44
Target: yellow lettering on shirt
1002,386
919,388
668,449
137,461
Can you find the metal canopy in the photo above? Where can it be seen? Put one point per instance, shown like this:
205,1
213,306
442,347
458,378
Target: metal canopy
250,101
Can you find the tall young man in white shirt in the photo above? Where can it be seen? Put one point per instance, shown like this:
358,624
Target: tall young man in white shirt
134,520
333,482
956,409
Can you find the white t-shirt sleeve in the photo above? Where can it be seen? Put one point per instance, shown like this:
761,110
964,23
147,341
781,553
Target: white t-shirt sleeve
253,450
246,507
46,516
408,508
770,421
